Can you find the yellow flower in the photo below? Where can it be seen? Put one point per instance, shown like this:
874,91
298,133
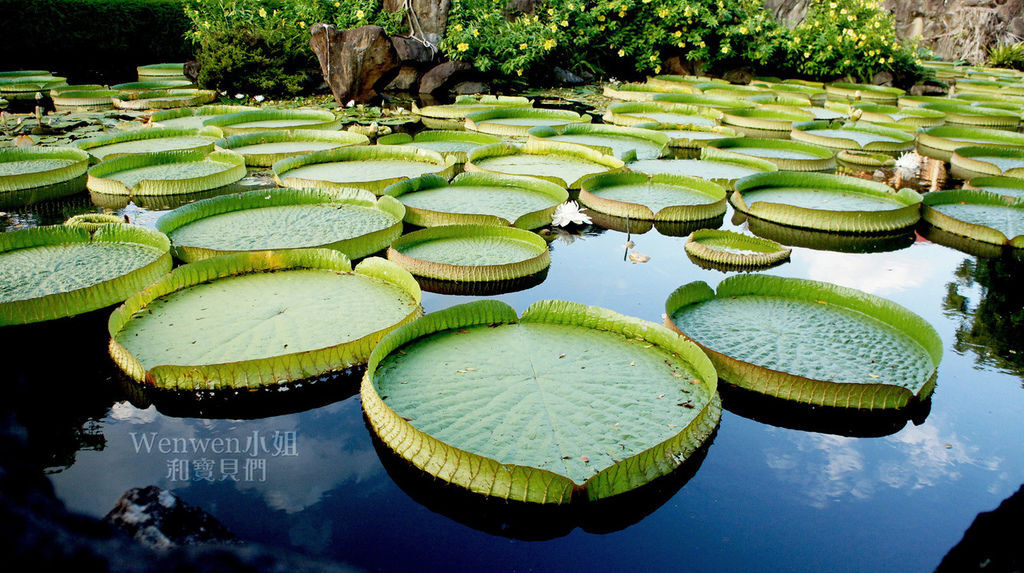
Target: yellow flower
564,23
725,49
523,46
622,13
337,4
571,6
601,27
654,58
601,18
681,44
881,61
519,72
677,33
843,11
807,54
743,30
622,53
360,14
302,24
457,27
551,11
550,43
702,44
663,12
554,28
462,47
263,13
476,33
657,69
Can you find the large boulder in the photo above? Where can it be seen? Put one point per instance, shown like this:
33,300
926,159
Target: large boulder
444,75
358,63
428,18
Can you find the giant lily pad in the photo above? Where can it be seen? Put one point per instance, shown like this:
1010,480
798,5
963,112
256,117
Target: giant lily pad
265,148
689,136
352,222
720,103
567,403
452,116
714,165
653,197
891,116
163,99
193,117
623,142
978,215
853,136
827,241
726,250
258,319
632,113
166,173
29,175
150,85
826,202
565,164
869,93
58,271
809,341
1010,187
479,198
360,167
456,144
164,70
939,142
87,99
518,120
150,140
471,253
26,86
789,155
645,92
267,119
969,115
764,123
975,161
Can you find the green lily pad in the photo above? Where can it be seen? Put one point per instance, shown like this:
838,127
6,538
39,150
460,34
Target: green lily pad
33,174
267,119
853,136
1010,187
892,116
265,148
939,142
726,250
809,341
166,173
352,222
788,155
623,142
150,85
825,202
841,91
467,383
653,197
92,221
58,271
714,165
564,164
163,99
360,167
827,241
457,144
645,92
25,87
976,161
91,99
465,105
193,117
978,215
764,123
258,319
150,140
689,136
632,113
720,103
969,115
162,70
865,160
478,198
471,253
517,121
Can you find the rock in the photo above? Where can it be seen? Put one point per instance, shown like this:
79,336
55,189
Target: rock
882,78
406,79
679,66
466,88
356,63
411,50
567,78
191,70
521,6
738,76
159,520
443,75
431,16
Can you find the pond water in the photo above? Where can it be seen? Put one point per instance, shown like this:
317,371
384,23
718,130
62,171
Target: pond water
778,488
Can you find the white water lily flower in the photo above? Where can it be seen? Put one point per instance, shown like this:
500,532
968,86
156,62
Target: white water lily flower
350,103
568,213
259,98
239,96
908,164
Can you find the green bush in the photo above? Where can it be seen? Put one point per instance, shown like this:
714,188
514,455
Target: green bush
91,40
1007,56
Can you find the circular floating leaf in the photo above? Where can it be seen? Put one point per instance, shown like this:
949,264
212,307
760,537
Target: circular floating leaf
160,71
92,99
465,105
267,119
25,87
788,155
714,165
163,99
360,167
645,92
564,164
150,85
517,121
727,250
699,100
827,241
825,202
58,271
456,144
478,198
841,91
501,405
150,140
166,173
862,160
256,319
632,113
265,148
1009,187
32,174
976,116
909,118
978,215
975,161
689,136
352,222
623,142
92,221
809,341
653,197
939,142
193,117
764,122
853,136
471,253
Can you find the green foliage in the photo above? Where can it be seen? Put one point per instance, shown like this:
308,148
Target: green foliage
1007,56
83,38
611,36
262,46
854,38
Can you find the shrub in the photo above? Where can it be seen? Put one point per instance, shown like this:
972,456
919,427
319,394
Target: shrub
1007,56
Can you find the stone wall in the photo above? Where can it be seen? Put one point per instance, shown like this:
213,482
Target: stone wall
954,29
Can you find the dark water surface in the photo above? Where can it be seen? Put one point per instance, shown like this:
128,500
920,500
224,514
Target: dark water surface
780,488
